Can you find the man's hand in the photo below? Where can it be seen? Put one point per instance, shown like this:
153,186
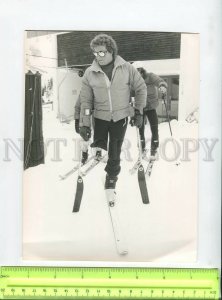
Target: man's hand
137,120
85,133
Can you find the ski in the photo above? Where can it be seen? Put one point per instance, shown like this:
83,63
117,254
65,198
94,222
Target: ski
141,173
80,185
138,162
74,169
142,184
119,239
79,193
94,163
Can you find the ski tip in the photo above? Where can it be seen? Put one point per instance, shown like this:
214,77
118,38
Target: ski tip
76,206
145,199
61,177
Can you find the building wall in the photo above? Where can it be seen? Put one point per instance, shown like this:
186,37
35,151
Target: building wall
132,46
161,67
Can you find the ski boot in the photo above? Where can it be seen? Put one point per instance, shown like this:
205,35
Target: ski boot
84,157
143,145
98,155
110,185
153,151
144,150
144,154
110,182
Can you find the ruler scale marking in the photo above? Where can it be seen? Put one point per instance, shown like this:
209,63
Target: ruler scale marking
114,283
107,283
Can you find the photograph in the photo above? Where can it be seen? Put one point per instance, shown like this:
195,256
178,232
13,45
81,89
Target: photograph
111,146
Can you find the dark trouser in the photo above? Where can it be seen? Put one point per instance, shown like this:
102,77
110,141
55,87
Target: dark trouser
115,131
153,120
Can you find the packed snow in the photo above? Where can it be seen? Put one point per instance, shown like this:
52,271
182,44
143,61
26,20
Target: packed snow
163,231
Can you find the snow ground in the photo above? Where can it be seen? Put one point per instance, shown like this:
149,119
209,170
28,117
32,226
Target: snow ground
163,231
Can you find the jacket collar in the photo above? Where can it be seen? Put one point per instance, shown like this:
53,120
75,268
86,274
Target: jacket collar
118,62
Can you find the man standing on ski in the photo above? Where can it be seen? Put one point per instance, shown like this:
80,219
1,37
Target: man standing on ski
106,88
153,83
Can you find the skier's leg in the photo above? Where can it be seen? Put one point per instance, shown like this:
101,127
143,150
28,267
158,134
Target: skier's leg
142,133
100,137
85,153
153,120
117,132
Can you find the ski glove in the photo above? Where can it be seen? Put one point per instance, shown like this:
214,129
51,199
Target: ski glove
85,133
77,125
137,119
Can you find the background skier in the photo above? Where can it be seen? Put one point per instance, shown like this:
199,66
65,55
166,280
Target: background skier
153,84
106,86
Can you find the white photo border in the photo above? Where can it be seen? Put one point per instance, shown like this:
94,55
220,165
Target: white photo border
198,16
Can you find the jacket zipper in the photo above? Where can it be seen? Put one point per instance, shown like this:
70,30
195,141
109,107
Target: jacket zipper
108,84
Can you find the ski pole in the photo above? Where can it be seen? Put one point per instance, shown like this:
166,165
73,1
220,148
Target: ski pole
168,117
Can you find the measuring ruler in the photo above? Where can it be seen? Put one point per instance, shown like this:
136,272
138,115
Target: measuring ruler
108,283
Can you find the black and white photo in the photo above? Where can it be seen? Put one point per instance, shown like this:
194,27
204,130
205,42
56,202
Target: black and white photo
111,146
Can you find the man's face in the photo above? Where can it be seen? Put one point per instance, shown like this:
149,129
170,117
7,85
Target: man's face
102,60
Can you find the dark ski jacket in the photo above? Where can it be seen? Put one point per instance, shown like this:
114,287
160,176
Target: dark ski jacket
153,82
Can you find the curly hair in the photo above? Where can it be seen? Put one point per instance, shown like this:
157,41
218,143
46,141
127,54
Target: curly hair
142,71
104,40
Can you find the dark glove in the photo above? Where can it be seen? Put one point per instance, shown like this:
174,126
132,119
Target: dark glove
77,125
85,133
137,120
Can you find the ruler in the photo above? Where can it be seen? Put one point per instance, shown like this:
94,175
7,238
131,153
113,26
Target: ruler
108,283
